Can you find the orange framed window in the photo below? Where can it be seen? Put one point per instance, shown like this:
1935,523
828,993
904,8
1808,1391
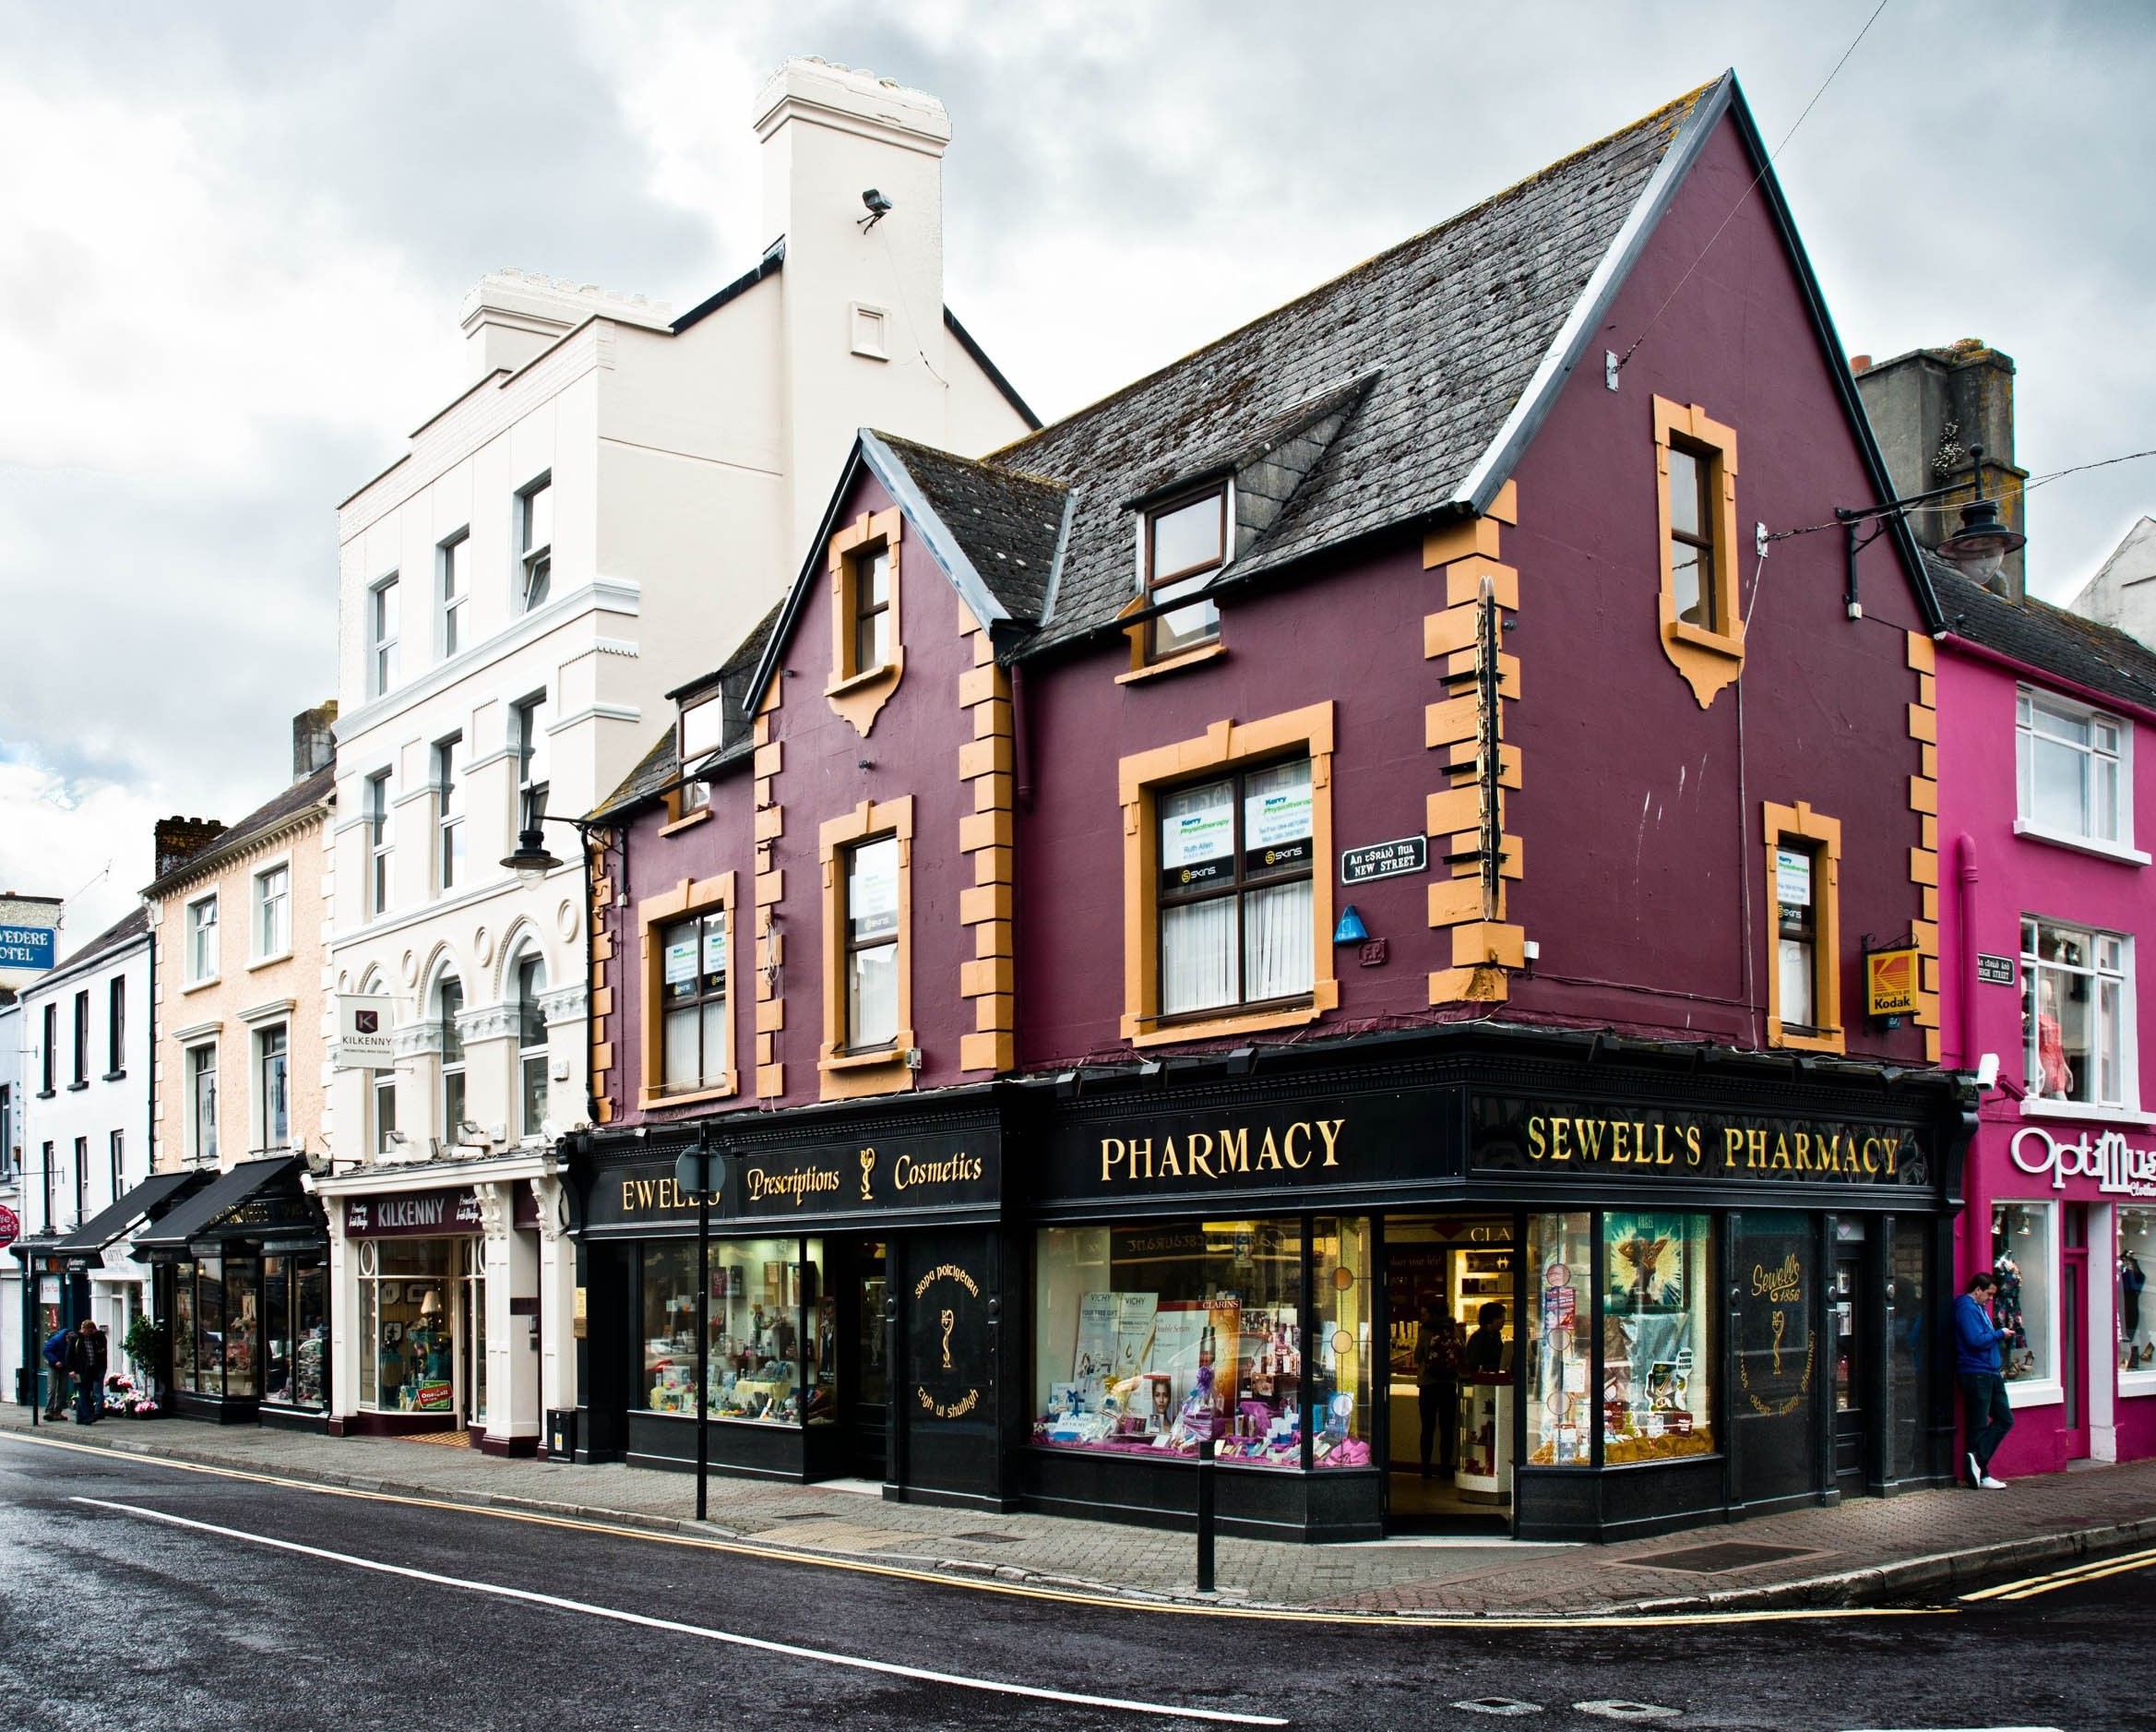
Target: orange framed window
1804,973
688,966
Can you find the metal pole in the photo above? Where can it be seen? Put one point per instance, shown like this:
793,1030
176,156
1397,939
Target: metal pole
703,1328
1205,1516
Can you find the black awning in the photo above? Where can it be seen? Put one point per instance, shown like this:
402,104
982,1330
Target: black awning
147,1201
238,1188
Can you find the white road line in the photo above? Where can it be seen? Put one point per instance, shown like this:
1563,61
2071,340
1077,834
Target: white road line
1957,1728
887,1667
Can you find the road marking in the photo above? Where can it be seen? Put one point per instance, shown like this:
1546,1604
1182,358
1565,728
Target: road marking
1499,1705
1616,1708
1101,1601
1957,1728
889,1668
2028,1587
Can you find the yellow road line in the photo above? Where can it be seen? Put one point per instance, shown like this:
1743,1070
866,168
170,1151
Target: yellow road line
1012,1590
2028,1587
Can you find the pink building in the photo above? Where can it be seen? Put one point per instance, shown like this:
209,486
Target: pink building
2047,890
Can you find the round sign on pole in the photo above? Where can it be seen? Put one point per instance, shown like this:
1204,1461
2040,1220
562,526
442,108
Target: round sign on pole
10,1228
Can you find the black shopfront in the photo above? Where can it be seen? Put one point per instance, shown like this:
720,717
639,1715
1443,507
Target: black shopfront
859,1280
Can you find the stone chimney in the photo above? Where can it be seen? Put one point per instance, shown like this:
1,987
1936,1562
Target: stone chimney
179,839
865,343
1928,409
511,315
314,740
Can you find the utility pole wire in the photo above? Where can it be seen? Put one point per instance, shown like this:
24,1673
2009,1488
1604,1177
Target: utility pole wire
1753,187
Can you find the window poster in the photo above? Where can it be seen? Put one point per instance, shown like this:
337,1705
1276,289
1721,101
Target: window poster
1646,1263
1134,1331
714,946
1198,835
873,896
680,961
1792,878
1095,1357
1276,818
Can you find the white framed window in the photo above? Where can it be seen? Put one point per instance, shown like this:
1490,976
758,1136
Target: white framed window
2024,1239
115,1034
528,740
2077,1015
382,629
272,912
384,1089
531,1046
1182,546
702,731
202,1100
381,843
273,1087
535,542
450,1003
449,812
201,937
119,1154
453,565
2073,770
2136,1255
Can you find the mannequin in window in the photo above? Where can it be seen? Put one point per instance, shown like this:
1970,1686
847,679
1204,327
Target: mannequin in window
2057,1075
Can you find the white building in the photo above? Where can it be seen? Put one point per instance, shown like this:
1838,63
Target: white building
2122,592
84,1130
11,1221
616,497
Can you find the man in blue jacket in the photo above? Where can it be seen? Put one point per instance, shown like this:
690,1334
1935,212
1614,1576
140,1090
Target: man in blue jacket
1989,1416
55,1357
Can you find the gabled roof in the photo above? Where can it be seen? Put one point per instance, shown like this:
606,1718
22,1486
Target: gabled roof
1004,523
2050,639
124,931
273,814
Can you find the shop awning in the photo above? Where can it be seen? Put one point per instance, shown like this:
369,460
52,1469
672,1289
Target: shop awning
147,1201
225,1196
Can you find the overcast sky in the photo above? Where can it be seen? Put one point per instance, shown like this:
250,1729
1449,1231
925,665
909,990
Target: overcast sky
233,238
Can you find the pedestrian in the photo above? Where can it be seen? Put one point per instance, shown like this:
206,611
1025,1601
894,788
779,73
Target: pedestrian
1485,1347
1437,1384
88,1360
57,1347
1987,1415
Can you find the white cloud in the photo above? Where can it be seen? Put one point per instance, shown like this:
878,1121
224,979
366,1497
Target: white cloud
90,843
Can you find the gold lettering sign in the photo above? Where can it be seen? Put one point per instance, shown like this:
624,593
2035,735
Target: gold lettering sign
799,1186
1645,1146
1227,1152
947,1410
651,1196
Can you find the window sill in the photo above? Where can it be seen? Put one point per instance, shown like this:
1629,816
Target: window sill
2035,1392
113,1075
882,1056
2077,1109
1817,1041
1699,638
857,682
1174,663
198,986
689,822
689,1097
47,1094
77,1087
2082,844
2132,1384
1142,1032
268,962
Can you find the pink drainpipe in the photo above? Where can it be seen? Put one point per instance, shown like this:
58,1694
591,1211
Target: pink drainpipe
1976,1216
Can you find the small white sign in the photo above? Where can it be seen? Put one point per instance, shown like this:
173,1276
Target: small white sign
1792,878
680,961
363,1032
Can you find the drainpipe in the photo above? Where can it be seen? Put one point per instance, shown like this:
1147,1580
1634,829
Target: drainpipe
1976,1213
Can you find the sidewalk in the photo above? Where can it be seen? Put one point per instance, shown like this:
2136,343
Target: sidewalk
1856,1553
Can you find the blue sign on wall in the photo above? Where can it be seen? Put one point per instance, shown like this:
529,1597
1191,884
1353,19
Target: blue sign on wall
25,947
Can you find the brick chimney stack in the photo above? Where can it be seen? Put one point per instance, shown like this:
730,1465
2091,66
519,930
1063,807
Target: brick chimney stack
314,740
1928,410
179,839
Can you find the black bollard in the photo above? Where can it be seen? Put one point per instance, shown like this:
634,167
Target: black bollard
1205,1516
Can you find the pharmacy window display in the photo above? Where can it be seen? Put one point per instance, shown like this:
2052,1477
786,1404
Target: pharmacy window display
772,1325
1153,1339
2022,1235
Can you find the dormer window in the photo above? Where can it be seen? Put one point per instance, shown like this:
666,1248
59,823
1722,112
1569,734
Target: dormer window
702,729
1185,544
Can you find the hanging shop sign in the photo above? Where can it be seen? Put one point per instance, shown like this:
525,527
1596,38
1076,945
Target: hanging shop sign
1385,860
2118,1170
1136,1152
10,1226
1890,979
1572,1140
413,1215
1995,970
363,1032
25,947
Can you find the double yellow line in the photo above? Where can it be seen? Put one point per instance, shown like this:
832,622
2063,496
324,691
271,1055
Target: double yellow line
2029,1587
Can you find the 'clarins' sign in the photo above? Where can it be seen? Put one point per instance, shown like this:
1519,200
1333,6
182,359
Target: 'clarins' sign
411,1214
1560,1139
2120,1171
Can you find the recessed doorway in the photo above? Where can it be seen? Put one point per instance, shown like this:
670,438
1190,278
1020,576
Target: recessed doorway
1449,1284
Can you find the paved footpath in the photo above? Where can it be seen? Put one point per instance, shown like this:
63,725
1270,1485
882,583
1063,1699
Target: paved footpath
1864,1550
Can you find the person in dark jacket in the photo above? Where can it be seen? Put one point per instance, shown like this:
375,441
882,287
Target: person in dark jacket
1437,1384
1485,1347
87,1360
1988,1416
58,1346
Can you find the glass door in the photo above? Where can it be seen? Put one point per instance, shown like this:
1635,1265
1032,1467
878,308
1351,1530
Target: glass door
1852,1373
1449,1291
872,1411
1775,1344
2074,1330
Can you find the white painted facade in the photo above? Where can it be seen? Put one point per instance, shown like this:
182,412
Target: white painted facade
686,464
2122,592
11,1358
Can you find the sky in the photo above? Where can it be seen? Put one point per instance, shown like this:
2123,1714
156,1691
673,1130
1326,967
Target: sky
234,236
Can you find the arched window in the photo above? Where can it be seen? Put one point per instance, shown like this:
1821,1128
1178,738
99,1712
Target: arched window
448,1002
530,1045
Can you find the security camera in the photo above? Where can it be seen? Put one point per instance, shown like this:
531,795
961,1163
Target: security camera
1988,1072
879,206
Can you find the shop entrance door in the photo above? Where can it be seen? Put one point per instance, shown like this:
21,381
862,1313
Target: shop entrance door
1449,1284
2074,1330
872,1401
1852,1381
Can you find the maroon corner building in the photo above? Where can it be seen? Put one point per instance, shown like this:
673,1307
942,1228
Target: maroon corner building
1354,823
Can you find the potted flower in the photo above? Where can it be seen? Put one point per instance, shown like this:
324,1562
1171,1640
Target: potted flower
149,1345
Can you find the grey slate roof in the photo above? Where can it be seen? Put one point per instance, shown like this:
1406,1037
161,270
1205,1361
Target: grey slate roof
279,810
2100,657
660,767
1009,521
123,931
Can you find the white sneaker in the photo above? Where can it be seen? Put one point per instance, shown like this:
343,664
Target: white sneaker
1976,1475
1989,1484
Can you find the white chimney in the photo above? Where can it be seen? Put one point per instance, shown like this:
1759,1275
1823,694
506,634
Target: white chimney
511,315
865,345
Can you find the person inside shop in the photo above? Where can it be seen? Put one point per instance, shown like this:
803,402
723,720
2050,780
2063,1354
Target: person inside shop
58,1346
1437,1384
87,1360
1987,1415
1485,1347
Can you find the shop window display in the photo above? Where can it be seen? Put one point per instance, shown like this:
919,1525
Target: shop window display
1151,1339
2021,1237
407,1290
184,1326
295,1330
772,1329
1657,1392
1341,1267
2137,1313
1560,1259
209,1326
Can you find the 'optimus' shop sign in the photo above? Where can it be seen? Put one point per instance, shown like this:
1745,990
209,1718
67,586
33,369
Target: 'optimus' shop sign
2118,1170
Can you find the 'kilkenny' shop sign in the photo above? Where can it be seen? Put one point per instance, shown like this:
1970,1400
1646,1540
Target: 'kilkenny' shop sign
413,1215
1647,1143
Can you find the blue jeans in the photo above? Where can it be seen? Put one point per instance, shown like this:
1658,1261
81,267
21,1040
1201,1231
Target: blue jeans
88,1394
1987,1416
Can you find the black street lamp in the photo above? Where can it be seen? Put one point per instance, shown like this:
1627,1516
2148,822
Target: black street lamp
531,861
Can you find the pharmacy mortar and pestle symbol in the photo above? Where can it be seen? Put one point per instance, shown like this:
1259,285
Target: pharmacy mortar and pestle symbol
868,1166
1780,1323
947,1319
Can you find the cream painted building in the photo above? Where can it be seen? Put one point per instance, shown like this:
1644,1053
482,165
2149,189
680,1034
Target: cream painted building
616,499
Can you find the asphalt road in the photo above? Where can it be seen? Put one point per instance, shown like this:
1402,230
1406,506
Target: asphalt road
139,1594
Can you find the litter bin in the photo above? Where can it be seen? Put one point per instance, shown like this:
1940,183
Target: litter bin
561,1434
